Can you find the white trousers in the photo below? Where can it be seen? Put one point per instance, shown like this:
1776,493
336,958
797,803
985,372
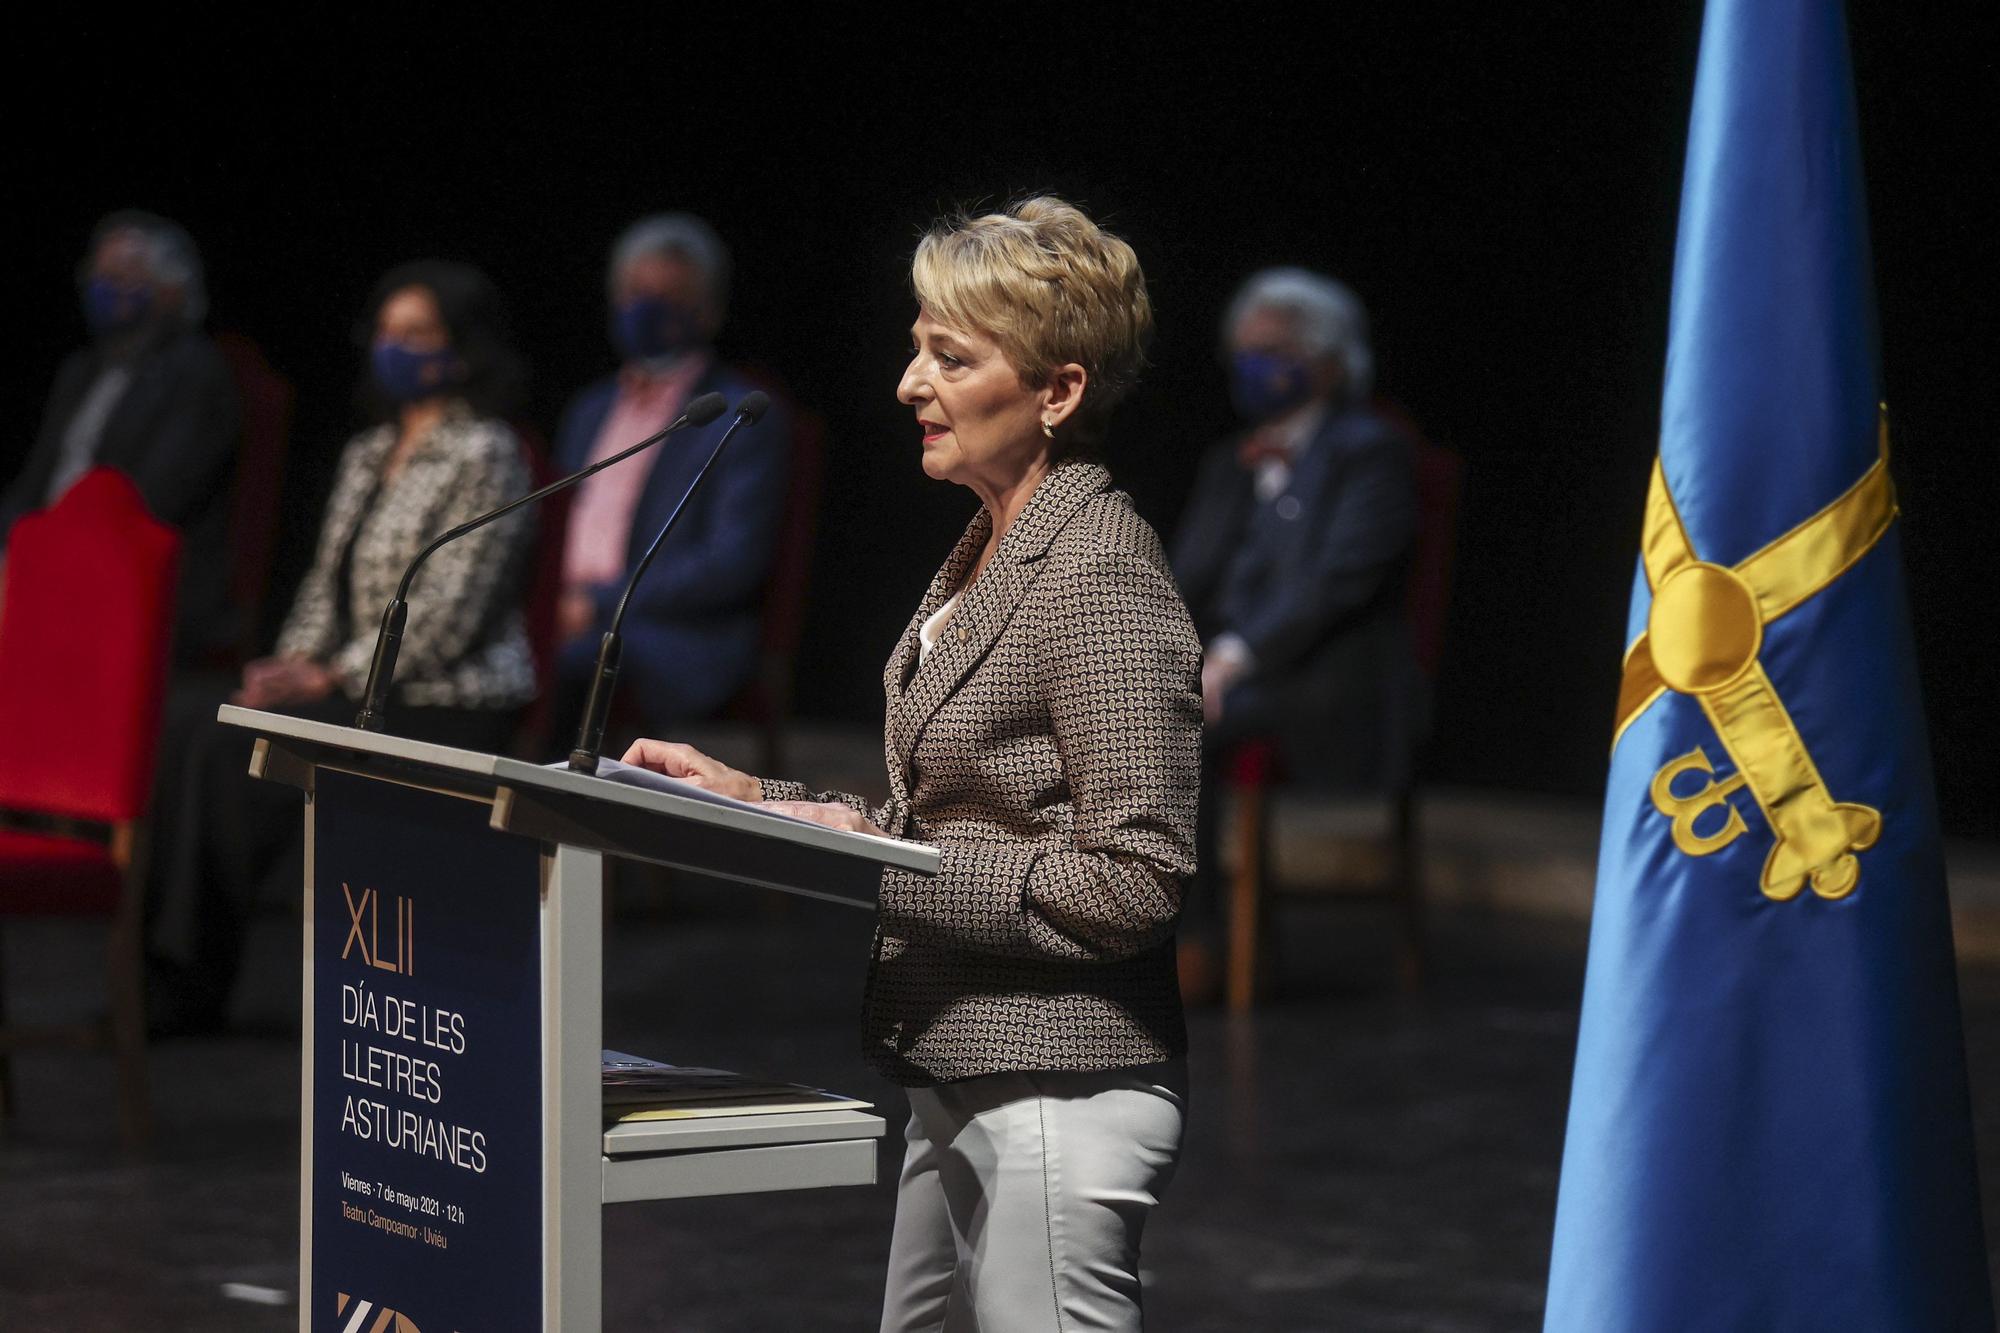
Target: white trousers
1023,1196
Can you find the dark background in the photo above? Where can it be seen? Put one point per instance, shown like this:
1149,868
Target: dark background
1498,183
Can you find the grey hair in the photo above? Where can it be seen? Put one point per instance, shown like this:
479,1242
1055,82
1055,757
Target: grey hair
1330,319
682,235
171,256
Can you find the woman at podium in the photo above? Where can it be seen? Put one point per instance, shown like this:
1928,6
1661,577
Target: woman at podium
1044,732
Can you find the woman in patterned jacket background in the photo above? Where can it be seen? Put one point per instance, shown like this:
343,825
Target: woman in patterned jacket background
441,380
1044,732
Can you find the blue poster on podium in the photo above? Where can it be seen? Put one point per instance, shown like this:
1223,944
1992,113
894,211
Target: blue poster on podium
426,1170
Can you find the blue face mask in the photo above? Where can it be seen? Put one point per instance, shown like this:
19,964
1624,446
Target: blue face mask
407,376
647,328
112,308
1266,385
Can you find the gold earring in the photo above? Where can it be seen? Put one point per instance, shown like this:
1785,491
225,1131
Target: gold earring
1048,429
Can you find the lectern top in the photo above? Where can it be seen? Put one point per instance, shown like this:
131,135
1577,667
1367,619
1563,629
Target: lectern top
328,743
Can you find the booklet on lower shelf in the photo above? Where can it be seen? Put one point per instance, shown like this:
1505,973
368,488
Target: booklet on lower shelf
636,1088
805,1099
633,1078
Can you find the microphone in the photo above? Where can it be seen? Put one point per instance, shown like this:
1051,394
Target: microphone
597,707
389,639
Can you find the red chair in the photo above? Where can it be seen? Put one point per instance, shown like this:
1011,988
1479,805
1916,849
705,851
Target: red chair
86,622
1255,769
260,475
543,594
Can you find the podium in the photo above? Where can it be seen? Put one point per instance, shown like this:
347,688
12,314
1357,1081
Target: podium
455,1157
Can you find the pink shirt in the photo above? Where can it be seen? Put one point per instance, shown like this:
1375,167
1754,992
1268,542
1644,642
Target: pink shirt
600,523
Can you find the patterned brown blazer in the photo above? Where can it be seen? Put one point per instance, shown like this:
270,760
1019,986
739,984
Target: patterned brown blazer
1050,746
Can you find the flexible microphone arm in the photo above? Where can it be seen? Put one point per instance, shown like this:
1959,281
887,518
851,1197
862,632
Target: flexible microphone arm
389,640
604,678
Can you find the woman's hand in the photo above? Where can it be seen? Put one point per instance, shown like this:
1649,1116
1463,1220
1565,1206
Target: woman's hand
691,765
830,813
271,682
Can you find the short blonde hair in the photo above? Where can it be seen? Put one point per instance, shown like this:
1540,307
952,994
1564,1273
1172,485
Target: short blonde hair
1050,286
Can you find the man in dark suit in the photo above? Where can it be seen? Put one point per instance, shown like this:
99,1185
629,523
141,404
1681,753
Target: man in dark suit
692,632
1293,552
151,396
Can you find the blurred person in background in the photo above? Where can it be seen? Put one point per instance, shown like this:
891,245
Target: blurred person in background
442,380
150,396
1292,555
692,631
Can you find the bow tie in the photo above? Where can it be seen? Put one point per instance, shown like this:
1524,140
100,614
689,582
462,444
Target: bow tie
1260,447
641,383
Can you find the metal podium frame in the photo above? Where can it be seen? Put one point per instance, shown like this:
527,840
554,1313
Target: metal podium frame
580,820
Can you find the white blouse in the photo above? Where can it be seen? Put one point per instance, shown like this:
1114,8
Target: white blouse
933,628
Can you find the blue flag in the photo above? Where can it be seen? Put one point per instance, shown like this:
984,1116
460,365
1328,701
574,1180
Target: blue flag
1769,1126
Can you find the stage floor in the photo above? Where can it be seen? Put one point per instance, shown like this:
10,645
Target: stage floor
1356,1161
